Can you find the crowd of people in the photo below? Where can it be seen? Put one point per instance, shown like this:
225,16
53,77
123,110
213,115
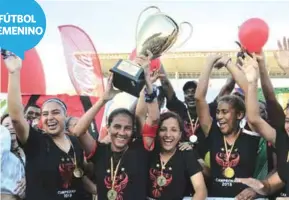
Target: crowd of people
234,147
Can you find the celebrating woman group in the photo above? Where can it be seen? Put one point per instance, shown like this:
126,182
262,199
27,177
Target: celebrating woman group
156,156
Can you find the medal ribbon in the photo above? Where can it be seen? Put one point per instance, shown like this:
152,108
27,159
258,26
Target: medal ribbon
163,164
113,173
73,160
228,154
194,125
74,154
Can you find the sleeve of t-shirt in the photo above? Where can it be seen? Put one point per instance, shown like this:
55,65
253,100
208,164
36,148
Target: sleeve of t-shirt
79,151
213,131
176,106
99,149
213,109
191,163
281,138
34,142
275,113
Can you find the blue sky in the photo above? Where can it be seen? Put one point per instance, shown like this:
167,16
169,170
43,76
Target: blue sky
111,25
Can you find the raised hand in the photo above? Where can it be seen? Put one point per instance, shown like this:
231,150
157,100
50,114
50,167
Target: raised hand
13,63
282,56
212,59
155,75
222,62
144,62
250,67
110,92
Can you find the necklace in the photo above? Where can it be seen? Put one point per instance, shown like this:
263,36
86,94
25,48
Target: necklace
194,125
161,180
229,172
77,172
112,193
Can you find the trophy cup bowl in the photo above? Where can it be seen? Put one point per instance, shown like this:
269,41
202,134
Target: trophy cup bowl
158,33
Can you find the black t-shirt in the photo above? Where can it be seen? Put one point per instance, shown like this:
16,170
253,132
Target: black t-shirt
131,179
177,172
241,163
49,170
181,109
282,151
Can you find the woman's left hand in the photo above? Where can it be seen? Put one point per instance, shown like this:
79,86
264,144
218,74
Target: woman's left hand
144,62
250,67
282,56
20,188
183,146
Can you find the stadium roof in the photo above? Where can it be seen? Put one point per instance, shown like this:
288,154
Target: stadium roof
189,64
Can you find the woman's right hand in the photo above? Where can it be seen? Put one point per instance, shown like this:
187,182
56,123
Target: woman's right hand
222,62
110,92
212,59
282,56
21,187
13,63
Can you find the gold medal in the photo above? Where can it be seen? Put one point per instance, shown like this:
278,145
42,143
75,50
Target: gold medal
112,194
161,181
229,172
78,172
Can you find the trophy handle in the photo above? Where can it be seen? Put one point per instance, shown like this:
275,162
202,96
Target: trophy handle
140,16
181,26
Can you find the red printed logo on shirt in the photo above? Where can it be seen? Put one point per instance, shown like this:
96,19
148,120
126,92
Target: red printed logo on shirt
66,172
120,184
228,162
157,189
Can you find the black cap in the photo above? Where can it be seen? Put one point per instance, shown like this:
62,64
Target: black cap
189,85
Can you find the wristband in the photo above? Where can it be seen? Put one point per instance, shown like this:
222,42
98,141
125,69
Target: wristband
150,97
6,53
149,131
241,54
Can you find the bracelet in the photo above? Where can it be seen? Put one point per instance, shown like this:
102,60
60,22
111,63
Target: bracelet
6,54
150,97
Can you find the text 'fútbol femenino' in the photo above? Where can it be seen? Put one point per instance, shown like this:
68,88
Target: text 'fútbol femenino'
11,21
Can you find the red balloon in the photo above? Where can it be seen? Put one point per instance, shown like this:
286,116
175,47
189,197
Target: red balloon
155,63
253,34
32,75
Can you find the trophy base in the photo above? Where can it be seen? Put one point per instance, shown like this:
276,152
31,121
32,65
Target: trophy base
128,77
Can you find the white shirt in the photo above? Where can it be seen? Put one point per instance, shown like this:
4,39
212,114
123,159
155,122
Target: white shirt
12,169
